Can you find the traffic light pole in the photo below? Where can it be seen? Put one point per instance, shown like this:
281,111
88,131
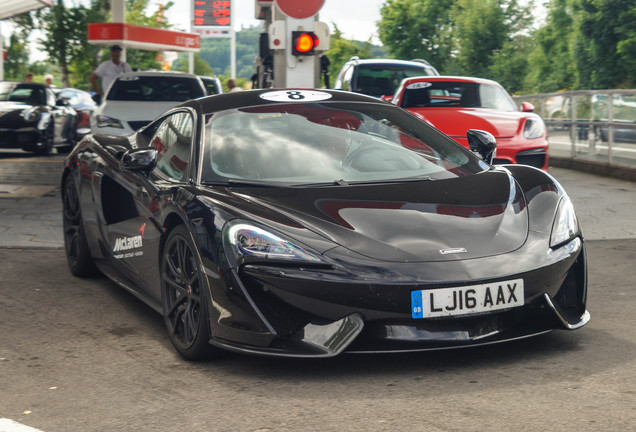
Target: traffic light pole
295,40
300,71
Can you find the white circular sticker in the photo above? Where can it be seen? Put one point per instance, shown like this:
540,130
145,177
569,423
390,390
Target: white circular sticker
295,96
419,85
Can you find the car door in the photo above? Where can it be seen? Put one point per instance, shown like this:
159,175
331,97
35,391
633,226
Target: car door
133,202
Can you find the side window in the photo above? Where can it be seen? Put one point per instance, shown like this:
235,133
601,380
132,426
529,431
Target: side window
173,141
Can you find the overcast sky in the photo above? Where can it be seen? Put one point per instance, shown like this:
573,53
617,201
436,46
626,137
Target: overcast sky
355,18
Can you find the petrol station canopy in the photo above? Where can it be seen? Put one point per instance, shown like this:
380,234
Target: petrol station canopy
10,8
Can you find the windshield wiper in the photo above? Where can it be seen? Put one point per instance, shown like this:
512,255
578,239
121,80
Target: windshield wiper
232,183
395,180
340,182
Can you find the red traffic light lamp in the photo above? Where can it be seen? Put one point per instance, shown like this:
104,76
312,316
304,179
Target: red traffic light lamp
304,43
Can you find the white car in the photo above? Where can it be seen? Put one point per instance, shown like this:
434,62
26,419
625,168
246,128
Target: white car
135,99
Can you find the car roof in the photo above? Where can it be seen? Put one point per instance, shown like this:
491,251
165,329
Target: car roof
451,78
393,62
248,98
157,74
25,84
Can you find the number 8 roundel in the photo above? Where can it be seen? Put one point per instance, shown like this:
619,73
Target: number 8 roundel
295,96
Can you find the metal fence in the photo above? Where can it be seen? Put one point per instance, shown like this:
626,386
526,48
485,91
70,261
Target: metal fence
597,127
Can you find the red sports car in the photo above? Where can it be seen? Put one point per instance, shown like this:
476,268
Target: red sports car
456,104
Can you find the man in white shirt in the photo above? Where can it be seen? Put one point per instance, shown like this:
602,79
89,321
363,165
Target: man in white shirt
231,84
109,70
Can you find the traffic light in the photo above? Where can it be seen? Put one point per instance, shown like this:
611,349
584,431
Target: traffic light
304,43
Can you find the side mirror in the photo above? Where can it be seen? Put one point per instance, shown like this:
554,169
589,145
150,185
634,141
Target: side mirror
97,98
143,159
483,143
527,107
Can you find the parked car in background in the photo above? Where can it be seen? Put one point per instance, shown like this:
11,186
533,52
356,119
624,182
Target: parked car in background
457,104
212,85
379,77
32,119
83,104
135,99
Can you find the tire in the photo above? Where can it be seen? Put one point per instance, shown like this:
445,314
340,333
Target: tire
78,255
184,298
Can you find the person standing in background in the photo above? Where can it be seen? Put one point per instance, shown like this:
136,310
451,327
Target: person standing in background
109,70
28,77
231,84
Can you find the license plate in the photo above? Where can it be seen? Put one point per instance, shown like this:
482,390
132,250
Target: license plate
466,300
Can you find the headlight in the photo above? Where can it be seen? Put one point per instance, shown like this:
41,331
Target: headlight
249,242
105,121
565,226
533,128
32,114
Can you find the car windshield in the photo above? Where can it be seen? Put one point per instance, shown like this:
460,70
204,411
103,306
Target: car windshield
432,94
155,89
328,143
380,80
29,94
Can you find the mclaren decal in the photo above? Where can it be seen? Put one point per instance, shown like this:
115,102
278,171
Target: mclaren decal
130,246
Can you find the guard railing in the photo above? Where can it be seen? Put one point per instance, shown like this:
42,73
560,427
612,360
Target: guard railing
593,128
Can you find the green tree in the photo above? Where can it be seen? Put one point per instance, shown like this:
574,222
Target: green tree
341,50
65,39
481,31
138,12
201,67
551,66
16,65
605,43
418,29
61,36
510,64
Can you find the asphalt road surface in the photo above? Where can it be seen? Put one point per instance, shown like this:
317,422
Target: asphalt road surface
84,355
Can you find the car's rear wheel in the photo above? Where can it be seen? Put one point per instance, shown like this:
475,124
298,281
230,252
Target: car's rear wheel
77,253
184,298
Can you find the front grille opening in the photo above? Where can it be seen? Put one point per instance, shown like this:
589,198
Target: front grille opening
572,295
534,157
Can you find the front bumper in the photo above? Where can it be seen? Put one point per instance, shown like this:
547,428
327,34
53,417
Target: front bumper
25,138
319,313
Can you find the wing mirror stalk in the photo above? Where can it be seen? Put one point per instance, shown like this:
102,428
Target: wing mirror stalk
482,143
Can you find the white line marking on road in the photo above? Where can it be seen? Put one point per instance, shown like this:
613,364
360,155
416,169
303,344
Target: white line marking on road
8,425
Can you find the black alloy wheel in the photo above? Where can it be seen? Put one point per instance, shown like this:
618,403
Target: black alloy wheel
183,292
77,253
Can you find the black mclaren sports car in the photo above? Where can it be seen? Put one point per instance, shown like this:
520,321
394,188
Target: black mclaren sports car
308,223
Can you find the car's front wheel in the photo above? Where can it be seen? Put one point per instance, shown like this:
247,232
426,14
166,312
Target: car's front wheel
184,298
